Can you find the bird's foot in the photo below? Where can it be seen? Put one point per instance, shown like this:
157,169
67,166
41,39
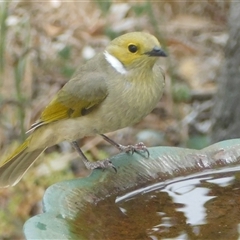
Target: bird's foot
134,148
102,164
129,148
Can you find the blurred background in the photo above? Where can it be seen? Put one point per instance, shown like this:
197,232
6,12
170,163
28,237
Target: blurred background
43,43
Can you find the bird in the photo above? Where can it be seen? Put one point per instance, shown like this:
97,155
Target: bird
115,89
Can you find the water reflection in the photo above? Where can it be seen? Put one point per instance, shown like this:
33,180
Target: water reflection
202,206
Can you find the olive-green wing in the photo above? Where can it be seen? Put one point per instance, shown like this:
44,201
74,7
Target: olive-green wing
77,98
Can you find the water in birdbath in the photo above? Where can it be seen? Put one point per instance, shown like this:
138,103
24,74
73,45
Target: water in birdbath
200,206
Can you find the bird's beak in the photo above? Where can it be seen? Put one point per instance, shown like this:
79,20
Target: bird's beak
156,52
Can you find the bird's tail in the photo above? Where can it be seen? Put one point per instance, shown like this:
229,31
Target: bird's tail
15,166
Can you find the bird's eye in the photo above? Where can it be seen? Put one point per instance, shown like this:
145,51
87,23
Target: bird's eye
132,48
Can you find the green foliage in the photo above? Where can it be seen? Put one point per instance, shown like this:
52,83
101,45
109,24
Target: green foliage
23,36
104,6
65,56
110,33
19,72
181,92
140,9
65,53
67,71
3,32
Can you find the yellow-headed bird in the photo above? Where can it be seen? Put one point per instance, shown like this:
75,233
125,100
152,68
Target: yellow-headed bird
116,88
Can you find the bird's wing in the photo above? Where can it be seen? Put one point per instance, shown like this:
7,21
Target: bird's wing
78,97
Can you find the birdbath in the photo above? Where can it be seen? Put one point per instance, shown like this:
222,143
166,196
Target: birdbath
138,202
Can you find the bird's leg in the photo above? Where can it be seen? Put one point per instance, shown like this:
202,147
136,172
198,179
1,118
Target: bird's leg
103,164
129,148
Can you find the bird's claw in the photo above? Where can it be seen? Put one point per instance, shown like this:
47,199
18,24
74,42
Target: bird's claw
103,164
135,148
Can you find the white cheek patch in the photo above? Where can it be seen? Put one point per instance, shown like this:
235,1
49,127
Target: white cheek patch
115,63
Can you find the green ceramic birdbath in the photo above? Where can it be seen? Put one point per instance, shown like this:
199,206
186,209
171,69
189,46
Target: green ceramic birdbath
72,209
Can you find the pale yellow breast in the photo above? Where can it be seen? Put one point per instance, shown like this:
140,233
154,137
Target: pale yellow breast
130,101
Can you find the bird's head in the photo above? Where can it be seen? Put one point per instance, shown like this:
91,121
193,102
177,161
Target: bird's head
132,50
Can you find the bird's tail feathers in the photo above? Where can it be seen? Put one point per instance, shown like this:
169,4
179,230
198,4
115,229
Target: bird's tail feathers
15,166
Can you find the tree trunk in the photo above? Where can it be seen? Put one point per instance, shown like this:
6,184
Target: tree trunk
226,113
